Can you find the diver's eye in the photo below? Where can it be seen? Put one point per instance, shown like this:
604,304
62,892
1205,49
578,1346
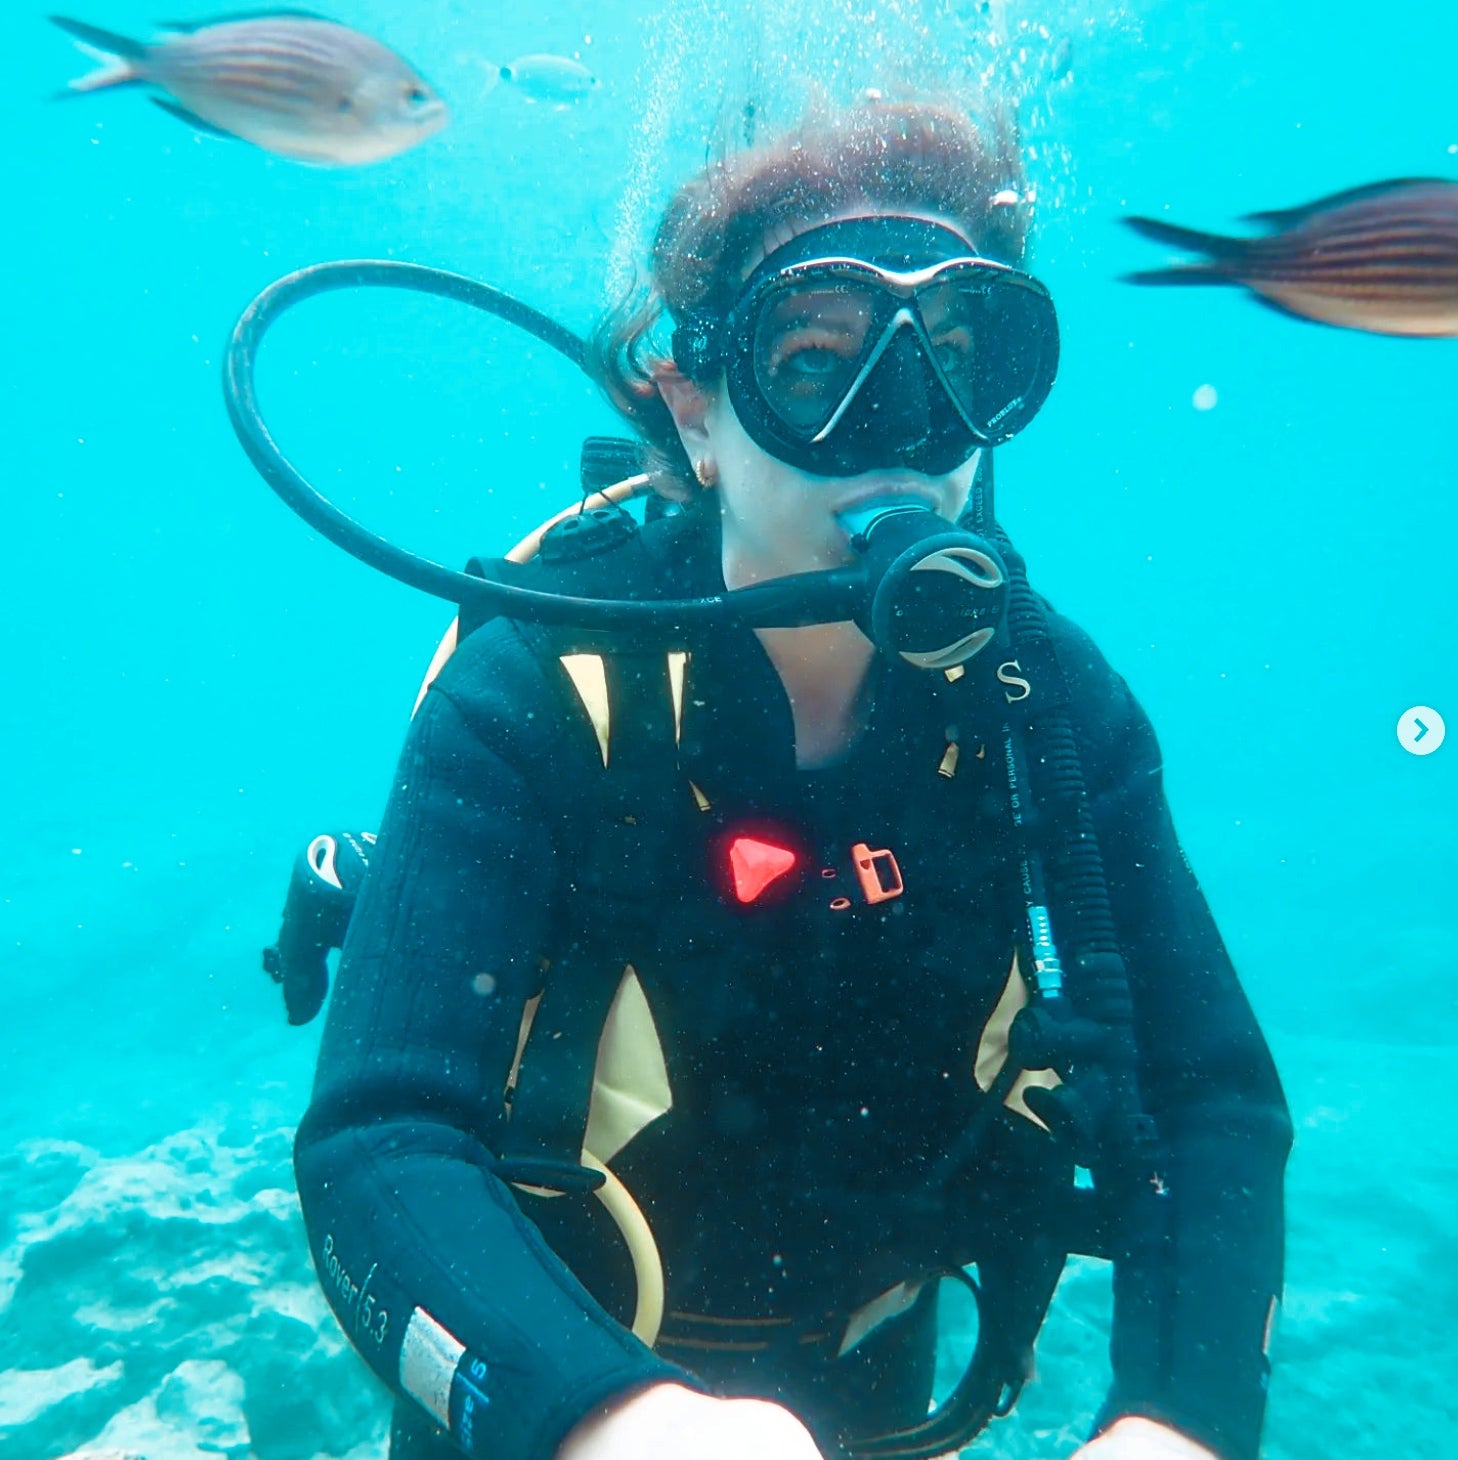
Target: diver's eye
953,345
812,364
813,351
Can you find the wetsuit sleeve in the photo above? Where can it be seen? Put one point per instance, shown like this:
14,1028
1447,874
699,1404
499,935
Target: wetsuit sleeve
1208,1079
445,1287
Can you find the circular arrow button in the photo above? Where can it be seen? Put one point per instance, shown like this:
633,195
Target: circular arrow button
1420,731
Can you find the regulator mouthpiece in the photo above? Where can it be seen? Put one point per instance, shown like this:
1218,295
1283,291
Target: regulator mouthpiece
940,592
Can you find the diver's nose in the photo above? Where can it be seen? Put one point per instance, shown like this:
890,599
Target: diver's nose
896,391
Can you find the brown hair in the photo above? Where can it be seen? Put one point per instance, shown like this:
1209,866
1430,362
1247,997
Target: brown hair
921,155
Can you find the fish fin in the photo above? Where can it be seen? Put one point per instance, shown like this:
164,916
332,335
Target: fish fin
1290,217
107,42
1217,245
187,27
108,78
1180,274
192,119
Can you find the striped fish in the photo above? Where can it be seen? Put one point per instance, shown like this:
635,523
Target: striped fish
289,82
1381,258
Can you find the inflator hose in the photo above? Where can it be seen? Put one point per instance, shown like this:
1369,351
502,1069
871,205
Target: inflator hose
806,598
1128,1157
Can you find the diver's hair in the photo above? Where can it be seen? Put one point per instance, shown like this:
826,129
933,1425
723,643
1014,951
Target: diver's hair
920,155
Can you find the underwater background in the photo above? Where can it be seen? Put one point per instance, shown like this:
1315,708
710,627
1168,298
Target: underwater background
194,683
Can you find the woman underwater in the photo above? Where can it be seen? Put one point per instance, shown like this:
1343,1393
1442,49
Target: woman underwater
750,919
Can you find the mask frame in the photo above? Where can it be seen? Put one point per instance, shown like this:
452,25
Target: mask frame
905,411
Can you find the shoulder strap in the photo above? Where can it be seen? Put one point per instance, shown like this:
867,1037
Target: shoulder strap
624,811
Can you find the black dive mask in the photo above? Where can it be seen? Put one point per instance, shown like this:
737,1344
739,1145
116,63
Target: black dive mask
879,342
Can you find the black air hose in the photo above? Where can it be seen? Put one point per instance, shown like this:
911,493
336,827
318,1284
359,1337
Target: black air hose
1084,927
1071,860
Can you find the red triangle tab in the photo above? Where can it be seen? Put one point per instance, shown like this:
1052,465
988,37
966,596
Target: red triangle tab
755,864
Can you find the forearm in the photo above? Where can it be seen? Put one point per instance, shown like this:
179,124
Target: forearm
450,1293
1222,1276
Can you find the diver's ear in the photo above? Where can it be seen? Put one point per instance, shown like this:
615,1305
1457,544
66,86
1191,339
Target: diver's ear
688,403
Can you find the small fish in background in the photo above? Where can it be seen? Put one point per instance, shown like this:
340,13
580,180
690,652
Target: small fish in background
287,81
556,79
1060,63
1381,258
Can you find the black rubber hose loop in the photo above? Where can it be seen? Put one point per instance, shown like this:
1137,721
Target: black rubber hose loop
981,1395
807,598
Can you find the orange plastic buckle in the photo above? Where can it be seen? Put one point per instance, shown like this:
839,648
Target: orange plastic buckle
877,872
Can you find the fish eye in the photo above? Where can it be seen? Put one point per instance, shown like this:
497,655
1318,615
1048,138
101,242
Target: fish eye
417,96
346,103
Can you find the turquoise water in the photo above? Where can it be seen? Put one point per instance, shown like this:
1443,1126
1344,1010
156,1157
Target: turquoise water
194,683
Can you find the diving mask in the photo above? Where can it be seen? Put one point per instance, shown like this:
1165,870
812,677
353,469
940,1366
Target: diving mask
879,342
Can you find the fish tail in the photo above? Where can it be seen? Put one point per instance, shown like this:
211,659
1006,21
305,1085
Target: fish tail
1217,245
120,58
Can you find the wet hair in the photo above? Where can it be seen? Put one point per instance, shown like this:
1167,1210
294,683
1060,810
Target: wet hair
882,156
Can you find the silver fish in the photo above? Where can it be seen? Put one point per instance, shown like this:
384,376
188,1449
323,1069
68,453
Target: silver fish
289,82
557,79
1381,258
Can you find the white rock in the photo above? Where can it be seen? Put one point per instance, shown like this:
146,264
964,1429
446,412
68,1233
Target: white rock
27,1393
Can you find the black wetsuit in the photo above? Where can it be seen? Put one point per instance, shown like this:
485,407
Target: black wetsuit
819,1046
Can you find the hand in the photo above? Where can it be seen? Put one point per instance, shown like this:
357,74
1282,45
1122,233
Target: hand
1135,1438
669,1422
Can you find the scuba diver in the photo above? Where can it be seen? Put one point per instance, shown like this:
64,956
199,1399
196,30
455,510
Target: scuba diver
721,987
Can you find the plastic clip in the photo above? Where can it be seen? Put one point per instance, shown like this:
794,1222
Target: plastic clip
877,872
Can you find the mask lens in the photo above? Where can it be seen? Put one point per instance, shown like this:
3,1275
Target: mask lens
809,344
897,348
991,337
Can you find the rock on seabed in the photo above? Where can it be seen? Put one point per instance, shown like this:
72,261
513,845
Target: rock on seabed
162,1306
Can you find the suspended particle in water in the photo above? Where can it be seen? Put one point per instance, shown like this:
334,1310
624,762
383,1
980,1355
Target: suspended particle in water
1205,398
